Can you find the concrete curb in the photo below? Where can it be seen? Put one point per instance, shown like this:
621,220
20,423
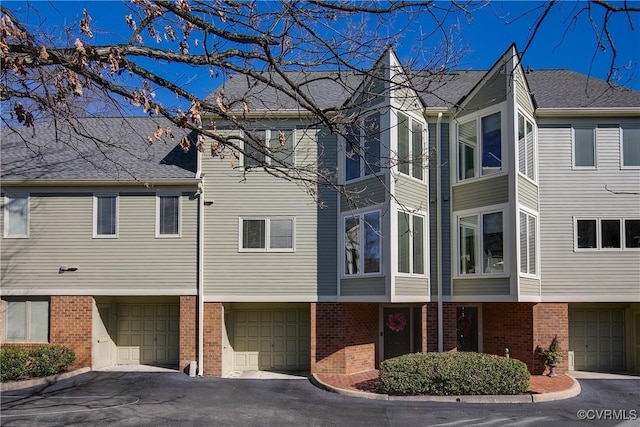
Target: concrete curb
19,385
573,391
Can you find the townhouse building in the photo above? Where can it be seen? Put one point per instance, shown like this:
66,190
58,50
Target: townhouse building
479,211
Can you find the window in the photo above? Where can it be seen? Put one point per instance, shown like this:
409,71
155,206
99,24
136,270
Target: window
362,244
267,234
16,216
362,150
607,233
105,212
584,148
481,234
528,234
631,147
526,148
278,144
487,131
26,320
410,147
168,216
411,243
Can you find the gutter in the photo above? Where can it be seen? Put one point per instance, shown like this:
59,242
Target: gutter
589,112
200,279
439,233
95,182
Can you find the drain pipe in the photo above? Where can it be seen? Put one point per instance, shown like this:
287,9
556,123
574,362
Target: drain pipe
439,233
201,277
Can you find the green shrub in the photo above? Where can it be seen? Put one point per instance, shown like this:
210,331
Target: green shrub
18,363
451,374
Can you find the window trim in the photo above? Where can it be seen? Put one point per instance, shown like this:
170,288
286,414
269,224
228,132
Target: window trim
598,220
622,165
529,213
411,162
6,214
360,213
267,148
573,148
477,117
95,216
411,272
534,142
267,231
5,320
159,195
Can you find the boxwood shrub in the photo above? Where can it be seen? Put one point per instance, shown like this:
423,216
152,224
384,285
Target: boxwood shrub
453,373
18,363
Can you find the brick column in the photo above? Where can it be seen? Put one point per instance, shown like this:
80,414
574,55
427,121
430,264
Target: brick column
188,331
449,326
71,325
213,324
549,320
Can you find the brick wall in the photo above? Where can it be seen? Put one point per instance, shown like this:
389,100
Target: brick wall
188,331
549,320
213,324
344,337
449,326
71,321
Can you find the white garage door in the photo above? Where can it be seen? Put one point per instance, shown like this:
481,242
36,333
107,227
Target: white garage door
596,337
271,339
147,334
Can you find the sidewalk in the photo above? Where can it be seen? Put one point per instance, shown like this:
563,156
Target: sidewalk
366,385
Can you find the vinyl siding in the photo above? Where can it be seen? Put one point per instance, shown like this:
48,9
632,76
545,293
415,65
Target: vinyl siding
485,192
492,92
481,287
410,192
529,286
368,191
412,286
527,193
565,193
370,286
136,262
522,94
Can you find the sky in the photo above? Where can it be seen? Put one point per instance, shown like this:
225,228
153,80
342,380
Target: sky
485,35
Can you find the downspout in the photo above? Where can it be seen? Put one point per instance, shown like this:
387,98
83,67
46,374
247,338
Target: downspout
200,279
439,233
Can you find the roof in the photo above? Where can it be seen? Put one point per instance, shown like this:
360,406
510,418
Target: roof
103,149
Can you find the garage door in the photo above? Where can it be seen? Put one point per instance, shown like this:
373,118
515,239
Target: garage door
147,334
271,339
596,337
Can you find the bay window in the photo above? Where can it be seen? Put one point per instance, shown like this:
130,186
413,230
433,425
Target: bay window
410,147
411,243
480,143
528,250
362,244
481,243
526,148
362,150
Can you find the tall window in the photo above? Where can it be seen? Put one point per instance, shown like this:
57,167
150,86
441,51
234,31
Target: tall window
105,208
168,219
411,243
584,147
607,233
279,145
481,244
267,234
480,143
26,320
528,234
16,216
631,147
410,147
363,251
362,150
526,148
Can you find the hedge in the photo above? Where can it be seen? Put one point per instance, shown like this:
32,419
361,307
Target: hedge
453,374
18,363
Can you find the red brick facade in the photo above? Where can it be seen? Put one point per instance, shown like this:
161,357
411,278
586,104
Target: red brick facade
71,325
188,331
213,324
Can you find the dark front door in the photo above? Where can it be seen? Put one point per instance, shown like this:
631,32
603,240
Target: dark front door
467,328
397,331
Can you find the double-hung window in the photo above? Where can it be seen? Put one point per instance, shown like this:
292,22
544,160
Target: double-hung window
584,148
528,249
631,147
607,233
362,148
274,234
480,143
410,147
168,208
526,148
16,216
481,243
411,243
362,244
26,319
105,214
273,147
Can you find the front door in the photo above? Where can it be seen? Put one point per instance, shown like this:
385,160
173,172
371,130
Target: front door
467,328
397,331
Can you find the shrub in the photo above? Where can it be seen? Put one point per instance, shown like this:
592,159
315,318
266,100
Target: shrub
18,363
451,374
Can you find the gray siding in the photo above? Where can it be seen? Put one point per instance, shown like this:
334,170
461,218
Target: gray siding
522,94
527,193
481,287
366,192
609,275
412,286
412,193
487,192
529,286
136,262
374,286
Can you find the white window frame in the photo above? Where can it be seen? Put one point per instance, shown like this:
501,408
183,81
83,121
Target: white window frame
412,234
266,148
622,165
598,221
158,198
267,231
95,216
27,320
534,151
364,170
360,213
529,214
573,148
8,197
479,244
477,117
411,155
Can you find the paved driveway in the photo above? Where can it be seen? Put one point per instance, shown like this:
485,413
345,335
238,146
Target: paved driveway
174,399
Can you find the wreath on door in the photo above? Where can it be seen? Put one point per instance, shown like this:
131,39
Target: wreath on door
396,322
464,325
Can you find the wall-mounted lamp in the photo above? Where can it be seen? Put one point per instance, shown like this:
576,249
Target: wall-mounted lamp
64,268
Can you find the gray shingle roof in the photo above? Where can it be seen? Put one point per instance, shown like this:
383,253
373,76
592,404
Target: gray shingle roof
110,149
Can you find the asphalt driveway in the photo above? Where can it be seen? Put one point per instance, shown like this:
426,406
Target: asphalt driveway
174,399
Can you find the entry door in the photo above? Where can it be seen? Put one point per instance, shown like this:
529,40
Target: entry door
467,328
397,331
102,342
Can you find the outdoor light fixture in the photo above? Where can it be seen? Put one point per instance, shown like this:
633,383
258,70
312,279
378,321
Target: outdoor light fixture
64,268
